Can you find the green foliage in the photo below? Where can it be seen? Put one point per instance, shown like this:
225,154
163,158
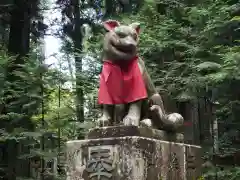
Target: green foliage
21,98
192,50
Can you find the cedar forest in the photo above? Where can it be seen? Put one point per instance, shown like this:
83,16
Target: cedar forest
191,49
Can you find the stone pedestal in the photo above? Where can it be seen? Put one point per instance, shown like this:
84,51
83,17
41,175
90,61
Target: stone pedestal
132,153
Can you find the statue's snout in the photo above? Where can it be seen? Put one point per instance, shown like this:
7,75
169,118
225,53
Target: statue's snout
129,42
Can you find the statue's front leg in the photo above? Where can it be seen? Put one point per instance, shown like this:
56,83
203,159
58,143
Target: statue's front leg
119,113
106,118
134,114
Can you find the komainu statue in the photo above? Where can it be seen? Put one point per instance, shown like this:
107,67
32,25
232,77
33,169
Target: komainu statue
126,92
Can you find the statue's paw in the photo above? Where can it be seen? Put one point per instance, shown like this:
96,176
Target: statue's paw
130,120
103,121
175,120
146,123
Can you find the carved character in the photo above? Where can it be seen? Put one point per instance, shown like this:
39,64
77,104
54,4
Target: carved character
126,89
190,162
99,164
174,161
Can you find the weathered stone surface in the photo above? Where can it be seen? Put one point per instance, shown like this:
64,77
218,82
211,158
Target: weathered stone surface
131,158
123,131
192,162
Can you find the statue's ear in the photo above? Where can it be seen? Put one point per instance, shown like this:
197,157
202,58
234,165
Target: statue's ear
110,24
136,26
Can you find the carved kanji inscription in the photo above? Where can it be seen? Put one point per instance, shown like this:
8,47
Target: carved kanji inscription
100,164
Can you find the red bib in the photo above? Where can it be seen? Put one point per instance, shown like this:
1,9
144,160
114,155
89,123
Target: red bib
121,83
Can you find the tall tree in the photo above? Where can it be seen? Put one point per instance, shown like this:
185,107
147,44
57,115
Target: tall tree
18,45
77,39
72,23
17,89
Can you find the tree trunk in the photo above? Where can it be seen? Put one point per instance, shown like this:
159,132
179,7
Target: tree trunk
18,46
70,69
109,8
19,30
126,6
77,38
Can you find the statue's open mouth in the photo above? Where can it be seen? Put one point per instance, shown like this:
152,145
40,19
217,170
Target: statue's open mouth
125,49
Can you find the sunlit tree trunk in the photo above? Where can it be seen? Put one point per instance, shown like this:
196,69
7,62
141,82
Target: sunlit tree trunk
77,39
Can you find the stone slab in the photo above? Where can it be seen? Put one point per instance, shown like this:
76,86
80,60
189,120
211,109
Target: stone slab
123,131
131,158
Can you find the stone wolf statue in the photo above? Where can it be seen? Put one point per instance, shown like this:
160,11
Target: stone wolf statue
126,92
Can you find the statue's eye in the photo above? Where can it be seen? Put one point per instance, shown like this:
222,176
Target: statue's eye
135,36
121,35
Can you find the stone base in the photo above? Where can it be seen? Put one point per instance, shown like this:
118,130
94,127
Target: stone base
123,131
131,158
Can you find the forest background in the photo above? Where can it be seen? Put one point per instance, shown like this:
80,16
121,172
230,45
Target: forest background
191,49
